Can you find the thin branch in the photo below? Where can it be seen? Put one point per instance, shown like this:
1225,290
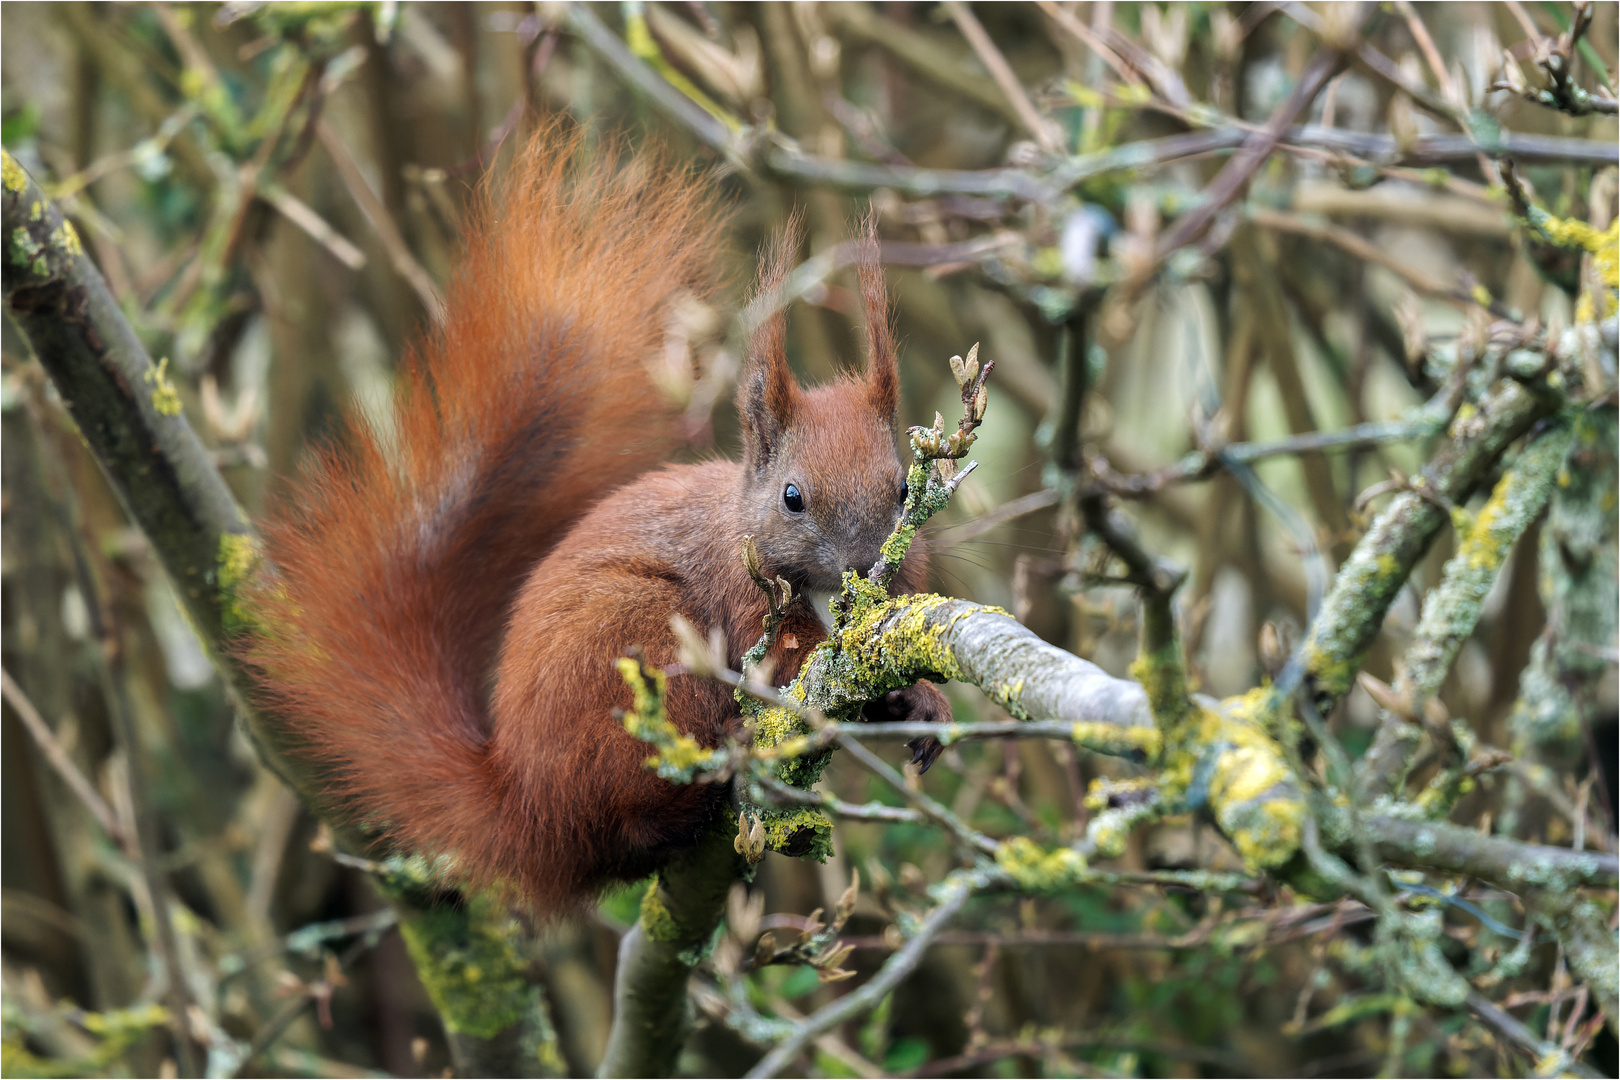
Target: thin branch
968,838
1355,244
856,811
920,53
59,759
952,731
399,252
1232,178
1032,186
953,894
1204,464
302,215
583,21
1510,1028
1002,73
1090,39
1007,511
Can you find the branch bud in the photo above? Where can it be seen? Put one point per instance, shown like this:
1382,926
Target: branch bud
751,559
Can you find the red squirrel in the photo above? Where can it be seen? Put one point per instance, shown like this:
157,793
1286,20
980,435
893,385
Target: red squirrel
450,593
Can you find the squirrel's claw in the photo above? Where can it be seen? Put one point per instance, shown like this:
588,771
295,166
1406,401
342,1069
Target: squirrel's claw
925,750
921,701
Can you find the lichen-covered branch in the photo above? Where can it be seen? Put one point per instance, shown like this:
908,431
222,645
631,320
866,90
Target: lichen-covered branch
900,640
476,959
125,406
1578,583
1590,947
1354,608
1451,849
651,1014
1451,609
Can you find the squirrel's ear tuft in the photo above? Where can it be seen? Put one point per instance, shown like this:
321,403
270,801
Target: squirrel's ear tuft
767,393
882,368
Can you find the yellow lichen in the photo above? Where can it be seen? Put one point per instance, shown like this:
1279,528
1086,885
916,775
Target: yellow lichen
1108,835
66,240
892,635
1036,869
1007,695
1480,547
236,563
788,748
656,919
1604,246
1585,310
774,725
1465,415
785,829
1116,738
682,753
12,173
165,398
1163,676
472,963
1104,789
1331,673
1243,777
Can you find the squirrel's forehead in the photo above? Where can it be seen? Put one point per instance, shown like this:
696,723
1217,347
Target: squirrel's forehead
852,447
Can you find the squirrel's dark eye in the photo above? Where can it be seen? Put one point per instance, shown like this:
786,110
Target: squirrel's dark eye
792,499
905,489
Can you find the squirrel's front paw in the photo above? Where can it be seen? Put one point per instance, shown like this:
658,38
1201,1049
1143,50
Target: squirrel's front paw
922,701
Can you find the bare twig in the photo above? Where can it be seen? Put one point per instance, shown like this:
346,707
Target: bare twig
1203,464
969,838
1358,246
399,252
632,69
58,757
921,54
1232,178
952,894
1510,1028
302,215
1008,511
1002,73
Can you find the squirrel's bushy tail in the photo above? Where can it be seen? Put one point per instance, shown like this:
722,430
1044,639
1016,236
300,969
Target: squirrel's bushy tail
396,552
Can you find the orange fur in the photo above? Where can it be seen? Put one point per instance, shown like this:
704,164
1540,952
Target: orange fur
399,560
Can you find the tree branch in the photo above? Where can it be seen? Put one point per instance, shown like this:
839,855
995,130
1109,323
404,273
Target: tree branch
125,407
656,956
1354,609
1452,608
1452,849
